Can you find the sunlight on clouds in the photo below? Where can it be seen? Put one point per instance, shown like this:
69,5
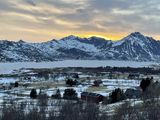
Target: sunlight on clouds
39,8
25,7
80,2
62,22
25,17
107,36
157,37
151,17
123,12
100,36
48,19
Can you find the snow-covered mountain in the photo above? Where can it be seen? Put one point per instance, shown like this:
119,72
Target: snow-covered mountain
135,47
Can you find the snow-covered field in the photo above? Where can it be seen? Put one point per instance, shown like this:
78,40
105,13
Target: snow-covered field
111,84
7,80
6,68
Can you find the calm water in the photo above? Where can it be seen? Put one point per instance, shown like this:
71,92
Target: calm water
9,67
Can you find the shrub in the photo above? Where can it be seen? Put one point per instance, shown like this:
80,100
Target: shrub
57,95
16,84
116,95
33,93
70,94
71,82
145,83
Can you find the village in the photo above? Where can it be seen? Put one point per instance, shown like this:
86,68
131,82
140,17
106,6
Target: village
85,84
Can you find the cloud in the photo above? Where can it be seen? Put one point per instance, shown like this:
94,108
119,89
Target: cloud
61,17
31,2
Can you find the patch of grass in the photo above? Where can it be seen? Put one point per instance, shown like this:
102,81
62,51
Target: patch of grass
93,89
46,84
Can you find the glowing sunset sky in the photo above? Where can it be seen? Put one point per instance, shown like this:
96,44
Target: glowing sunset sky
42,20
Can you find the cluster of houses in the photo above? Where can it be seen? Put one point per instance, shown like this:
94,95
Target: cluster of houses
119,75
85,96
48,76
96,98
92,97
130,93
8,86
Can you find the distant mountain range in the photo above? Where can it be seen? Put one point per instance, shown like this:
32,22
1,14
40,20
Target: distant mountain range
134,47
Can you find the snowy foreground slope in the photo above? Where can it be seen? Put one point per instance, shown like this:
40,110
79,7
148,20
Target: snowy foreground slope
134,47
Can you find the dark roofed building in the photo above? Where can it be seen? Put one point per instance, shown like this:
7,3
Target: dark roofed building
74,75
92,97
97,83
133,93
133,76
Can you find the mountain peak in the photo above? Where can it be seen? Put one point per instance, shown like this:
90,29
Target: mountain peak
136,34
95,37
70,37
21,41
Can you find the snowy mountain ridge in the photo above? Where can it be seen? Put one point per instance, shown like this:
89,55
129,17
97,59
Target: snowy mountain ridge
134,47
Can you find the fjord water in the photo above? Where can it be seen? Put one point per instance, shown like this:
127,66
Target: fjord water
6,68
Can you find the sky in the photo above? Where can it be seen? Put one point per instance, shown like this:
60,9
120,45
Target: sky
43,20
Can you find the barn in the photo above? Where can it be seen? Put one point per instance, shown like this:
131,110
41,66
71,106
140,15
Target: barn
92,97
97,83
133,93
134,76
